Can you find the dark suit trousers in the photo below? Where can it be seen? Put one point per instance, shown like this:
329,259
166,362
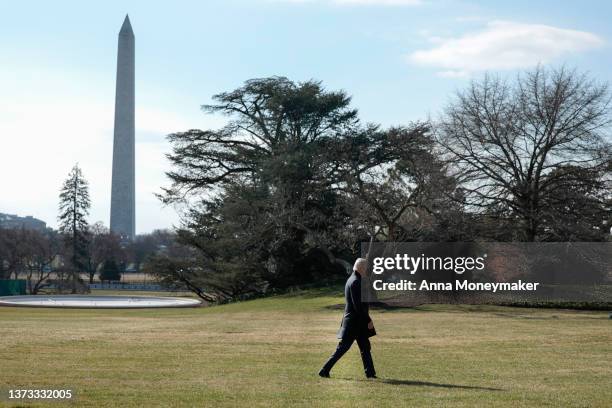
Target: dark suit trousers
345,344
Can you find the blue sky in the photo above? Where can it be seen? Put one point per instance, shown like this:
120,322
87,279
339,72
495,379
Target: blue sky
401,60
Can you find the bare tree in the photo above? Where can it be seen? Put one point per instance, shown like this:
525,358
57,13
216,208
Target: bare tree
42,248
103,246
509,141
4,254
13,252
29,253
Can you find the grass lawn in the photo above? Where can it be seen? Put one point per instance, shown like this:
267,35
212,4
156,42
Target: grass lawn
267,352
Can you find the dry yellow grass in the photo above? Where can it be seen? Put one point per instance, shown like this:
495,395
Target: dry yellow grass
267,352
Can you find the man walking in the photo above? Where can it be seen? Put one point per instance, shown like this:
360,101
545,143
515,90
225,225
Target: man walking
356,323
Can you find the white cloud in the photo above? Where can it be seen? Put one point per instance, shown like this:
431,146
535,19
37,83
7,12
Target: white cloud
503,45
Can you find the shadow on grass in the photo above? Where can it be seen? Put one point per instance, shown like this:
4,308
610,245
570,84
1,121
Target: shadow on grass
426,307
431,384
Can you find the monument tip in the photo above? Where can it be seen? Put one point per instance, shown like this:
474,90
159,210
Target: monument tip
126,28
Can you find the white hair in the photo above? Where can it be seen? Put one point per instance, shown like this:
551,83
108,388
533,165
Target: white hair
360,265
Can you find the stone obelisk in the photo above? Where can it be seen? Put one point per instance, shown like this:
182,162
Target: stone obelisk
123,202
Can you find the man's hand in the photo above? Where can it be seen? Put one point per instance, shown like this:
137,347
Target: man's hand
370,325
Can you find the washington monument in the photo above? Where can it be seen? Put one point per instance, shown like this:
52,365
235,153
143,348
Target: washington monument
123,203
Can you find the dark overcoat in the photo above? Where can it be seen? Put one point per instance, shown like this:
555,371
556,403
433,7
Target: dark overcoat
356,314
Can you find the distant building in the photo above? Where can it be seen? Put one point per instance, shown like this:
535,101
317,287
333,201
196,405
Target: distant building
11,221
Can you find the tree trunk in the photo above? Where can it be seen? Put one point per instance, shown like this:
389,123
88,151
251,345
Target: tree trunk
74,238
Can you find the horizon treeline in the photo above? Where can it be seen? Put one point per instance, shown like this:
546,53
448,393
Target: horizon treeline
286,191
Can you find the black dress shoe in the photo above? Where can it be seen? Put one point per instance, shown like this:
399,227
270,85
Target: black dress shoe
323,374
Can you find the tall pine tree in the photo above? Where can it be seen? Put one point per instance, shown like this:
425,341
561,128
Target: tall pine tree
74,208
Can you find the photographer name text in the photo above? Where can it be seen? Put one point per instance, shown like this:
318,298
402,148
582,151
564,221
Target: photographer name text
458,285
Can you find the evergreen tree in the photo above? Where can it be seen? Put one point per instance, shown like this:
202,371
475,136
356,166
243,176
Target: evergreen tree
110,271
74,208
268,196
